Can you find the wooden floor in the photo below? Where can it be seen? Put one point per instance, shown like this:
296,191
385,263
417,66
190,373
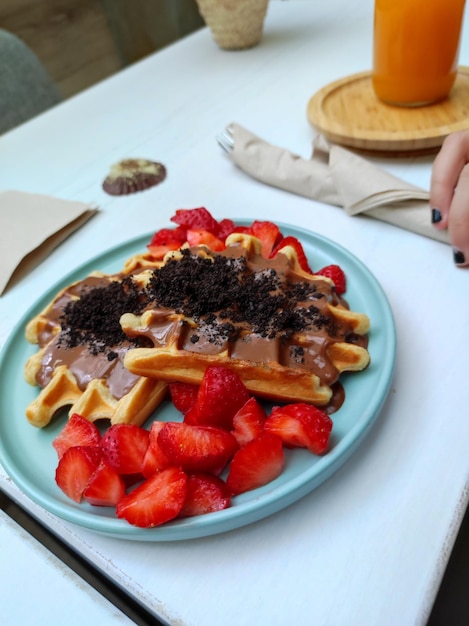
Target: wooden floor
81,42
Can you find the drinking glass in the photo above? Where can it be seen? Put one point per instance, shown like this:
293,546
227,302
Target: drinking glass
415,50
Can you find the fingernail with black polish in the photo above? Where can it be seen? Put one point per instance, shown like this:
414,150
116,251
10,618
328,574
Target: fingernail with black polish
436,216
459,257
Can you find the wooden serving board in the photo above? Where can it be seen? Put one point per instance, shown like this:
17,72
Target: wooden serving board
348,113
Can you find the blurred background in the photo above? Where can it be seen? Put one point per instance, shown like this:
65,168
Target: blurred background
81,42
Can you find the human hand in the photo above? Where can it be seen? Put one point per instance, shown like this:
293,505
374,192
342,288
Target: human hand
449,193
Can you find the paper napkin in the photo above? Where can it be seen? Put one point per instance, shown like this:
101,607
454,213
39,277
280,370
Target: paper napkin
336,176
31,226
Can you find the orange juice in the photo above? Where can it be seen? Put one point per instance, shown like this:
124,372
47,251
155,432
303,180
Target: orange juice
416,49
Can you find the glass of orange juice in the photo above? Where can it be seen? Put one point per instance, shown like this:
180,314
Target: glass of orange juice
415,50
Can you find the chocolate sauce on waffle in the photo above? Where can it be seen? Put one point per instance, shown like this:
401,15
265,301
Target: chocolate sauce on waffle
83,332
231,302
254,309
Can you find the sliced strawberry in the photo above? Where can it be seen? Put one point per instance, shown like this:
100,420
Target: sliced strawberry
245,230
225,228
75,468
183,395
155,459
166,236
197,448
221,394
298,247
159,251
132,479
78,431
205,494
151,461
268,233
248,423
196,219
337,275
124,446
157,500
202,237
301,425
256,464
191,416
105,487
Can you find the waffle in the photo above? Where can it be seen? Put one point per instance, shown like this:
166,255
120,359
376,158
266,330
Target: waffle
94,384
289,336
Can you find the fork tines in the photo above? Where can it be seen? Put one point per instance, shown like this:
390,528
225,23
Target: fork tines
225,139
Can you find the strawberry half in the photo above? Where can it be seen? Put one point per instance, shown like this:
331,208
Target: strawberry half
225,228
167,236
78,431
197,448
191,416
248,423
75,469
124,447
183,395
157,500
105,487
205,494
200,237
268,234
298,247
244,230
221,394
155,459
196,219
337,275
301,425
159,251
256,464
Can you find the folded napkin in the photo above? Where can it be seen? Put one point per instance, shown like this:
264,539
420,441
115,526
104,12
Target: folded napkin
31,226
335,176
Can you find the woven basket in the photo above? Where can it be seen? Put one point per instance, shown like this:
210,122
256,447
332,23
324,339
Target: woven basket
235,24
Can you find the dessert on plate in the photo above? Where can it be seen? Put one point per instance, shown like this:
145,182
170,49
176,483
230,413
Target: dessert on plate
213,317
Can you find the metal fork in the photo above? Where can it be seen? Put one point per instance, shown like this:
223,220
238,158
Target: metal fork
225,139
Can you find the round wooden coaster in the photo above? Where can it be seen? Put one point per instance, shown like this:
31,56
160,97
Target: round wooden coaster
347,112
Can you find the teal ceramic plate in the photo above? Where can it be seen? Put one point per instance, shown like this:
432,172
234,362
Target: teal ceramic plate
28,457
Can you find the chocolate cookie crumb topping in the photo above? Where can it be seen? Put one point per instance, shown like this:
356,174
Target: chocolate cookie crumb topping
259,300
93,319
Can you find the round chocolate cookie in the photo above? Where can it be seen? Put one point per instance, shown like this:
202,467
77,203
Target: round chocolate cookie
132,175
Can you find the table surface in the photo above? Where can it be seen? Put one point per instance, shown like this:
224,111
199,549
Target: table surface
388,518
53,590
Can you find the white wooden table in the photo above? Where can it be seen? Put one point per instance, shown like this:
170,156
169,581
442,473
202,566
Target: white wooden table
370,545
38,588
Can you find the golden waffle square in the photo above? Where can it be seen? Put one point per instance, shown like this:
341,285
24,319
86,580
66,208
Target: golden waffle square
79,362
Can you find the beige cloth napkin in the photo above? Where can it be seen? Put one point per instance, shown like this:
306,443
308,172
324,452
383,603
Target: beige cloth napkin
31,226
336,176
